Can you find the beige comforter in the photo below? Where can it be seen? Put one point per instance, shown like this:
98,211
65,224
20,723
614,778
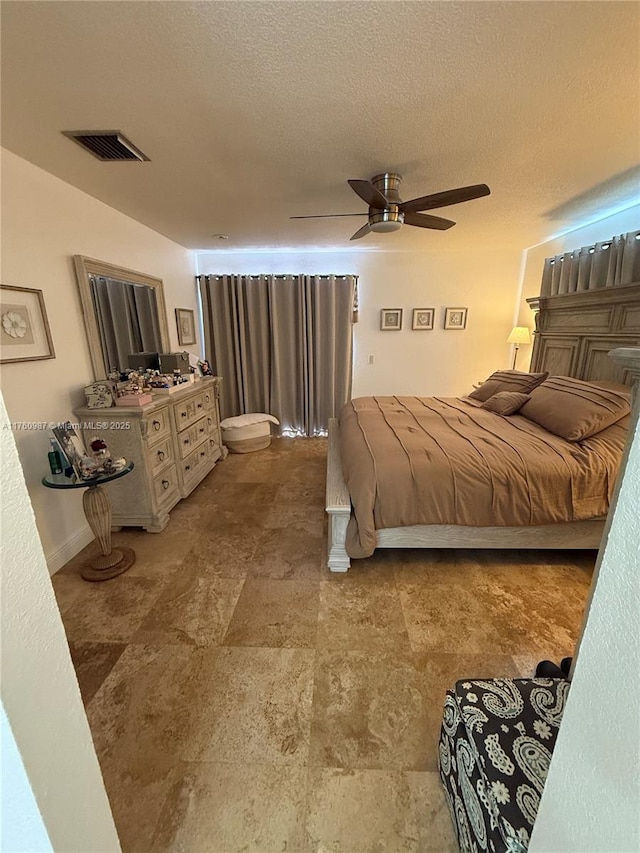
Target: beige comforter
431,460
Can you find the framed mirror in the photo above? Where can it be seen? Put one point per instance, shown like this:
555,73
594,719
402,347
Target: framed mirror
124,312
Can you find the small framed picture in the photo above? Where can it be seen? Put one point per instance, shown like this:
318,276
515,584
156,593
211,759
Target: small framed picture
423,318
186,326
391,319
455,318
71,445
24,328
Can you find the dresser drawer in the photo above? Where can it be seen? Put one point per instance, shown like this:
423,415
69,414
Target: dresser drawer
189,439
160,455
165,486
185,413
158,425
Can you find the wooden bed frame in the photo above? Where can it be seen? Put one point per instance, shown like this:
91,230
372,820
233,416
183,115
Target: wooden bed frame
593,335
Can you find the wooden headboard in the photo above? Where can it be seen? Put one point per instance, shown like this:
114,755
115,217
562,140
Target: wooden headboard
575,331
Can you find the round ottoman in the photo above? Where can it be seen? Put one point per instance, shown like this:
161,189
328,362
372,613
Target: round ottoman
246,433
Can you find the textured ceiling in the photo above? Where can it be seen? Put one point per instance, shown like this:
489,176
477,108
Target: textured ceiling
253,112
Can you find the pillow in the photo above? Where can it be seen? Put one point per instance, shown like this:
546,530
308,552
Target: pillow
508,380
505,402
574,409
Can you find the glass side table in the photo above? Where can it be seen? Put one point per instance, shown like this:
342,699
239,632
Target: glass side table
97,509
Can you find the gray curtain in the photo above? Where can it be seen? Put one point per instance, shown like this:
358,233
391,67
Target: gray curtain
610,263
283,345
127,318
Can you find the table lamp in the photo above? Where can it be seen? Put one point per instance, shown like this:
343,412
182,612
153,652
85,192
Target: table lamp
519,335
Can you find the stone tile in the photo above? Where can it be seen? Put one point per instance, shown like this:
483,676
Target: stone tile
370,711
192,609
225,550
357,615
141,721
107,611
482,616
526,664
297,516
145,705
93,662
258,710
276,614
137,798
234,807
360,811
287,555
441,671
157,554
426,566
301,492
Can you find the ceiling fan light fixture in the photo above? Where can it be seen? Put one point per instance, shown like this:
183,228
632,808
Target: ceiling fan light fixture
384,221
386,226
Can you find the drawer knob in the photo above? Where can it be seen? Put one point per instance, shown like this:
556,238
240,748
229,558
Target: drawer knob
156,425
187,467
201,429
207,398
183,414
185,441
209,421
161,455
203,453
165,484
199,405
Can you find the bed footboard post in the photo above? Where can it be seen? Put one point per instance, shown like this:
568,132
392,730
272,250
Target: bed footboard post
338,503
338,557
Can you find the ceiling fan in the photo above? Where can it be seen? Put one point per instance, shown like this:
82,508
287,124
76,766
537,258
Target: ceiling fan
387,211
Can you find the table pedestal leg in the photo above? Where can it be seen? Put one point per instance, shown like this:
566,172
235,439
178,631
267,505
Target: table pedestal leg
111,562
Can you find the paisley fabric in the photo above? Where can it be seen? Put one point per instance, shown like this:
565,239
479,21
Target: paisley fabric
495,748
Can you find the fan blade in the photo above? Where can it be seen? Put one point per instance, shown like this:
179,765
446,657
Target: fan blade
429,202
362,232
423,221
370,194
328,215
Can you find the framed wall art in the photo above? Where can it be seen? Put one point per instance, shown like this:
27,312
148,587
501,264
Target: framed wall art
24,328
391,319
186,326
423,318
455,318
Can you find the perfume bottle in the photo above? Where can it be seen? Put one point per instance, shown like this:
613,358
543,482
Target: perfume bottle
55,460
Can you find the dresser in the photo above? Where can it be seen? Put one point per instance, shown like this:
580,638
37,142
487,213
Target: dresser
175,441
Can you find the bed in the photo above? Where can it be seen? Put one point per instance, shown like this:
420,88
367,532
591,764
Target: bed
531,489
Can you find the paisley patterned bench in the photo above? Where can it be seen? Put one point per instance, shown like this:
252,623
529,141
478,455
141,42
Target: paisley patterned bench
496,742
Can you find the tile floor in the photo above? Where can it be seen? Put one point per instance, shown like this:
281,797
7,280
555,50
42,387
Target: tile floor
243,698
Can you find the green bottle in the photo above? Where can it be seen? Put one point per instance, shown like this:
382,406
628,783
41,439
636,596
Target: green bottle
55,462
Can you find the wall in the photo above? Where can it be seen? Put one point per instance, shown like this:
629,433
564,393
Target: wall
40,692
408,362
21,826
591,800
609,226
44,223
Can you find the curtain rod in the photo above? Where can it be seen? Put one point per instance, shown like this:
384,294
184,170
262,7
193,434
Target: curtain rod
281,275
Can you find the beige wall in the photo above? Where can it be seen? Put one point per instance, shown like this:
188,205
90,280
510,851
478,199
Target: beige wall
44,223
591,800
408,362
39,688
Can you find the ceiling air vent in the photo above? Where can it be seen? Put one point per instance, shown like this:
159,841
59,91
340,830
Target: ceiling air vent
106,144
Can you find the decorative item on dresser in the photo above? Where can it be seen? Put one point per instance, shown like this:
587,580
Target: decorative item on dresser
175,442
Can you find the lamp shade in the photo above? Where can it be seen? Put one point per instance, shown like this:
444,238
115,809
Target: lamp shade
519,335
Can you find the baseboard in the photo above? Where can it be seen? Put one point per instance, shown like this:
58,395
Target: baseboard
58,558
